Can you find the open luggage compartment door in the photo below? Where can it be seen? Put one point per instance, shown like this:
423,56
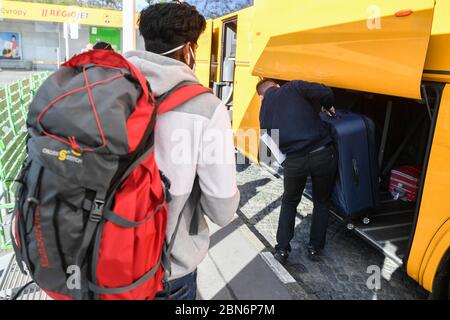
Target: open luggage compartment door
365,45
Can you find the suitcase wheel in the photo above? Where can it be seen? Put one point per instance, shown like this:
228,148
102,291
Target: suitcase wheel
350,226
366,220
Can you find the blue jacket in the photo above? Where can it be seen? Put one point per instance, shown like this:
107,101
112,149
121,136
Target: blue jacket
291,109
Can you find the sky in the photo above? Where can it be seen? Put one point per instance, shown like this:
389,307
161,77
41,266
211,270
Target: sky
210,8
141,4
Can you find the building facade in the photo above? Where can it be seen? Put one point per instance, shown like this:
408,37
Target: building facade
32,35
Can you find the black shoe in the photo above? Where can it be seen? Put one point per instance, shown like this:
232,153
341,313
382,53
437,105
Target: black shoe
281,256
313,253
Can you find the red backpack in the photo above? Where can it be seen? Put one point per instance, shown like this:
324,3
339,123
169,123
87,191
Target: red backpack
91,204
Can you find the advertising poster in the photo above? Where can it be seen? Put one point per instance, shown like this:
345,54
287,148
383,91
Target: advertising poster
10,46
109,35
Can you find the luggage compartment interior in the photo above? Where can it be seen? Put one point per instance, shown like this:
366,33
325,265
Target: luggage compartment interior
403,134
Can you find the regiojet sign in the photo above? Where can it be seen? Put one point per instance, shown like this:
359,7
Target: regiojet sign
18,10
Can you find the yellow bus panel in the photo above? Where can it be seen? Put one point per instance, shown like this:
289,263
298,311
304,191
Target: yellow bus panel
246,103
432,235
203,53
437,65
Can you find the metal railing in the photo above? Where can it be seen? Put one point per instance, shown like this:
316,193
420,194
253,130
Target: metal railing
14,101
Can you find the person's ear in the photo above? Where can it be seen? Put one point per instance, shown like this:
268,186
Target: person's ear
187,54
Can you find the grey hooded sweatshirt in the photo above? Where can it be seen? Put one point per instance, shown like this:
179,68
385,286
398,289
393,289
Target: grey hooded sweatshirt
194,149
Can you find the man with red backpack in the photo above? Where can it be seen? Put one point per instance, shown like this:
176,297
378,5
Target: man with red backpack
170,32
125,159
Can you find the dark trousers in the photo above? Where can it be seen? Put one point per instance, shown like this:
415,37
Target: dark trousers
184,288
321,166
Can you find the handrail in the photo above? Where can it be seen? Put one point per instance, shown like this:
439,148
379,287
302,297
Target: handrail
23,92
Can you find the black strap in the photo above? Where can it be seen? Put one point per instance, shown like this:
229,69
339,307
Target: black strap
19,292
196,193
167,251
22,255
95,216
168,247
165,259
101,290
174,235
125,223
132,167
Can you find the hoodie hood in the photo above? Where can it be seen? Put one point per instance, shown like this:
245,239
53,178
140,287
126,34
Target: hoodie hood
163,73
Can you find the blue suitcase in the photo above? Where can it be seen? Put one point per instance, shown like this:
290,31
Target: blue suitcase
357,185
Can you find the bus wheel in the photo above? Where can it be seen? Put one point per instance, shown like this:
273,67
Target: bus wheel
448,287
446,294
441,288
447,281
442,293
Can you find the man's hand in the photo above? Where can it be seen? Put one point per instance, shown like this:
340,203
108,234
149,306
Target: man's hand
330,112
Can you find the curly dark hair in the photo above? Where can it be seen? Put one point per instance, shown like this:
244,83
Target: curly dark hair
165,26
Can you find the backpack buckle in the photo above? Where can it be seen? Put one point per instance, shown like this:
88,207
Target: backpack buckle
97,210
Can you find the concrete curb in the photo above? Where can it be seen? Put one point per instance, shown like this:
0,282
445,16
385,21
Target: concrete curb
239,267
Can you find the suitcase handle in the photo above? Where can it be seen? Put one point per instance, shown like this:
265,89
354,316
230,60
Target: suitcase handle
331,114
355,171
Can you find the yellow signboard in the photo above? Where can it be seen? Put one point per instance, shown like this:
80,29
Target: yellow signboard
18,10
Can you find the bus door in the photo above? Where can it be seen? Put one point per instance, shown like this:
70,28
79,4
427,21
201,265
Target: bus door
224,89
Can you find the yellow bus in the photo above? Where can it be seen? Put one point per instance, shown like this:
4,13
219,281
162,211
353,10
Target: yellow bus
387,59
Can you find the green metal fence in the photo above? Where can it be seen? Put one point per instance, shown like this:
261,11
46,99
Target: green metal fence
14,101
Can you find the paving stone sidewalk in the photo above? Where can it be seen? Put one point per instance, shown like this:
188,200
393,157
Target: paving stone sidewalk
341,273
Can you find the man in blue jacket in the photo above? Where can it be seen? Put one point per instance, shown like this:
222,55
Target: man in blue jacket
309,150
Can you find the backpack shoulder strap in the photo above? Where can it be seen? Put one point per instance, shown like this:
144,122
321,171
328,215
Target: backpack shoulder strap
179,96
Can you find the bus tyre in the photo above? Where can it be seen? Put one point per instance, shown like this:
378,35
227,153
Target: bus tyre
441,287
442,293
446,295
